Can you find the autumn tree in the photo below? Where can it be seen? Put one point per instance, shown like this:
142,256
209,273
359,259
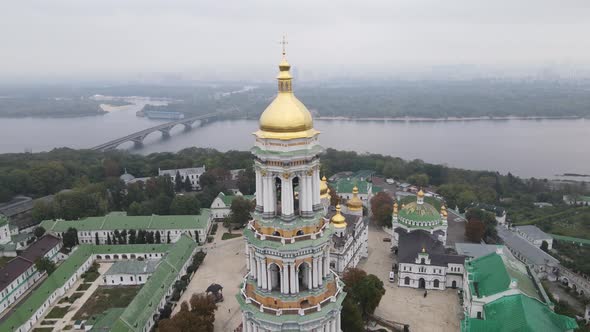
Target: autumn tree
197,315
474,230
382,208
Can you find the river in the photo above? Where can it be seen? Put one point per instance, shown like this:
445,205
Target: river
528,148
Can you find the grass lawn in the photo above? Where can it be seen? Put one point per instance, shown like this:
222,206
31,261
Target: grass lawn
48,322
57,312
227,236
43,329
71,298
5,260
106,297
83,287
91,276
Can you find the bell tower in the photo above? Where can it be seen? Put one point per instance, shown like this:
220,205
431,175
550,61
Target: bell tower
289,284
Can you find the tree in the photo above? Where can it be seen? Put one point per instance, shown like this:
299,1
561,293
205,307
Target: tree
544,246
123,239
161,205
42,211
334,198
132,236
140,237
474,230
487,218
39,231
178,182
200,316
240,210
185,205
352,319
382,208
70,238
149,237
168,237
158,237
44,264
420,179
246,181
109,242
96,239
187,185
364,290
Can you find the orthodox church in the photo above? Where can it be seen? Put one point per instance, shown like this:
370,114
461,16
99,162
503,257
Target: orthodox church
289,285
420,234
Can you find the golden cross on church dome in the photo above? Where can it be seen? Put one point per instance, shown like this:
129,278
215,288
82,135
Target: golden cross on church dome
284,43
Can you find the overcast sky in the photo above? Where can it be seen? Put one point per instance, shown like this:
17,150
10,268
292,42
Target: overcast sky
239,39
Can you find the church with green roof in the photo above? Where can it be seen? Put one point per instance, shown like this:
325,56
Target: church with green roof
502,294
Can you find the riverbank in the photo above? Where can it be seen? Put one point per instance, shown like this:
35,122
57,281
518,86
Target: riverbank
423,119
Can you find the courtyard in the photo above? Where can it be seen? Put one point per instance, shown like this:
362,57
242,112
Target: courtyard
225,264
438,311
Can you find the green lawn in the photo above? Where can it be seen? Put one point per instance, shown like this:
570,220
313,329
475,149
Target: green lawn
48,322
57,312
227,236
106,297
83,287
72,298
91,276
43,329
4,261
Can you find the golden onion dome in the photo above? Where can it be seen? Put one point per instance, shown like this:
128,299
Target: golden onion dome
324,190
355,203
338,219
420,193
444,213
286,117
395,207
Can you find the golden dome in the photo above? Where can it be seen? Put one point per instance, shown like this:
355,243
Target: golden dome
420,193
286,117
338,219
355,203
444,213
324,190
395,207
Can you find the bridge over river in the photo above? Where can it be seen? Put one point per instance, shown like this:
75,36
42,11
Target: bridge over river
165,128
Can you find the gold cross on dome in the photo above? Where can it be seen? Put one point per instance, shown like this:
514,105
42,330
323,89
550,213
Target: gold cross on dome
284,43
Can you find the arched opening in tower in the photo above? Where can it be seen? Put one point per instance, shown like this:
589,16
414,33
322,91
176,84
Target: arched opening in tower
296,194
275,276
278,194
303,276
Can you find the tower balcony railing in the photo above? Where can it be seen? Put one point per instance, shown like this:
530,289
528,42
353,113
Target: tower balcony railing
331,296
287,240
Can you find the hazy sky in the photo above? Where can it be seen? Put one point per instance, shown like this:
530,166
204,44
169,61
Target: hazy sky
239,39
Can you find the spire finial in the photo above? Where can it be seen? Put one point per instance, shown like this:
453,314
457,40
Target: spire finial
284,43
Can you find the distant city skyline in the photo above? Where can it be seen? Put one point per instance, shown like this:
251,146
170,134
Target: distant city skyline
237,40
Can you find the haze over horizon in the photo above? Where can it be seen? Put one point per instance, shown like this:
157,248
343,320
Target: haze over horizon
239,40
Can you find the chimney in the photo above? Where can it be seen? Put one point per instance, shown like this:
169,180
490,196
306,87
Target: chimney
513,283
499,250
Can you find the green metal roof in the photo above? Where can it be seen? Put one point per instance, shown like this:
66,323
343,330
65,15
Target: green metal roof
345,185
420,212
105,321
120,221
65,270
492,274
518,313
228,199
3,220
141,309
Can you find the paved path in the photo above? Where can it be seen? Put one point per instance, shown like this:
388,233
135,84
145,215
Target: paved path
224,264
439,311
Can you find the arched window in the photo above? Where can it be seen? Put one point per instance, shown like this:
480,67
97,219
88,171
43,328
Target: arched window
422,261
436,283
406,280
